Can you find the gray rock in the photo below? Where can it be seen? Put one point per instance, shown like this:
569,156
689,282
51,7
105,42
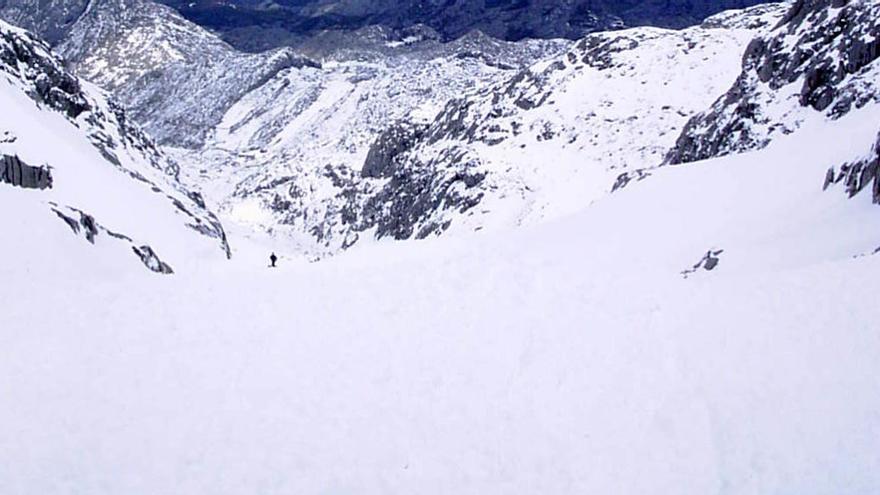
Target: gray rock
151,260
828,51
15,172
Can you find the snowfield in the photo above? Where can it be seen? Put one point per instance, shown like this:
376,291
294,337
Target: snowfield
569,357
703,328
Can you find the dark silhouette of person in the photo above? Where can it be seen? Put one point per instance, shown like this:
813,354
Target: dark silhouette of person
273,259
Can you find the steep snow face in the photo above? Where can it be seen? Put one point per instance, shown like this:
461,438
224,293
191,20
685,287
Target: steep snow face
566,358
822,58
70,156
522,147
174,78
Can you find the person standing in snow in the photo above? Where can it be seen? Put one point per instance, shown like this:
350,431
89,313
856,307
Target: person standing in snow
273,259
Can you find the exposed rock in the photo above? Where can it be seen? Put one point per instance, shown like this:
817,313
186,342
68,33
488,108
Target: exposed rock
81,222
860,175
27,58
13,171
626,178
708,263
821,57
151,260
391,144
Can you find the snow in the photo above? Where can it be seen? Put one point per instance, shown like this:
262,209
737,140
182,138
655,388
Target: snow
135,196
569,355
566,357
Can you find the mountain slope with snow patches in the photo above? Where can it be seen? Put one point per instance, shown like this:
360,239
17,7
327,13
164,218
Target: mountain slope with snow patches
411,151
822,58
174,78
72,161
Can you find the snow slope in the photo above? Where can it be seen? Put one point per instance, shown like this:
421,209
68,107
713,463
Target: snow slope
570,357
109,182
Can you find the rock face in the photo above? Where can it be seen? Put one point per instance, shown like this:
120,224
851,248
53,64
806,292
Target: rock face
252,25
49,83
821,58
859,175
16,173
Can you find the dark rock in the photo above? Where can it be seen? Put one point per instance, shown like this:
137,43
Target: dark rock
151,260
50,84
860,175
15,172
708,263
825,49
393,142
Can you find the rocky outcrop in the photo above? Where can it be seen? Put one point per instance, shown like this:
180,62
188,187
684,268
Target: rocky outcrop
859,175
151,260
389,147
708,262
81,223
822,57
27,58
15,172
415,201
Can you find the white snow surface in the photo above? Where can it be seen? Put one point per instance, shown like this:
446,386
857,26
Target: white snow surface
567,357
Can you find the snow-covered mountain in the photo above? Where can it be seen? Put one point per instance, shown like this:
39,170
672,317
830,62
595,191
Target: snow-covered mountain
409,146
381,137
683,308
820,63
173,77
820,60
70,159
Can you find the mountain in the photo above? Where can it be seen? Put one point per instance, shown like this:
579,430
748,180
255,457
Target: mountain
71,160
820,62
174,78
670,291
409,147
253,25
